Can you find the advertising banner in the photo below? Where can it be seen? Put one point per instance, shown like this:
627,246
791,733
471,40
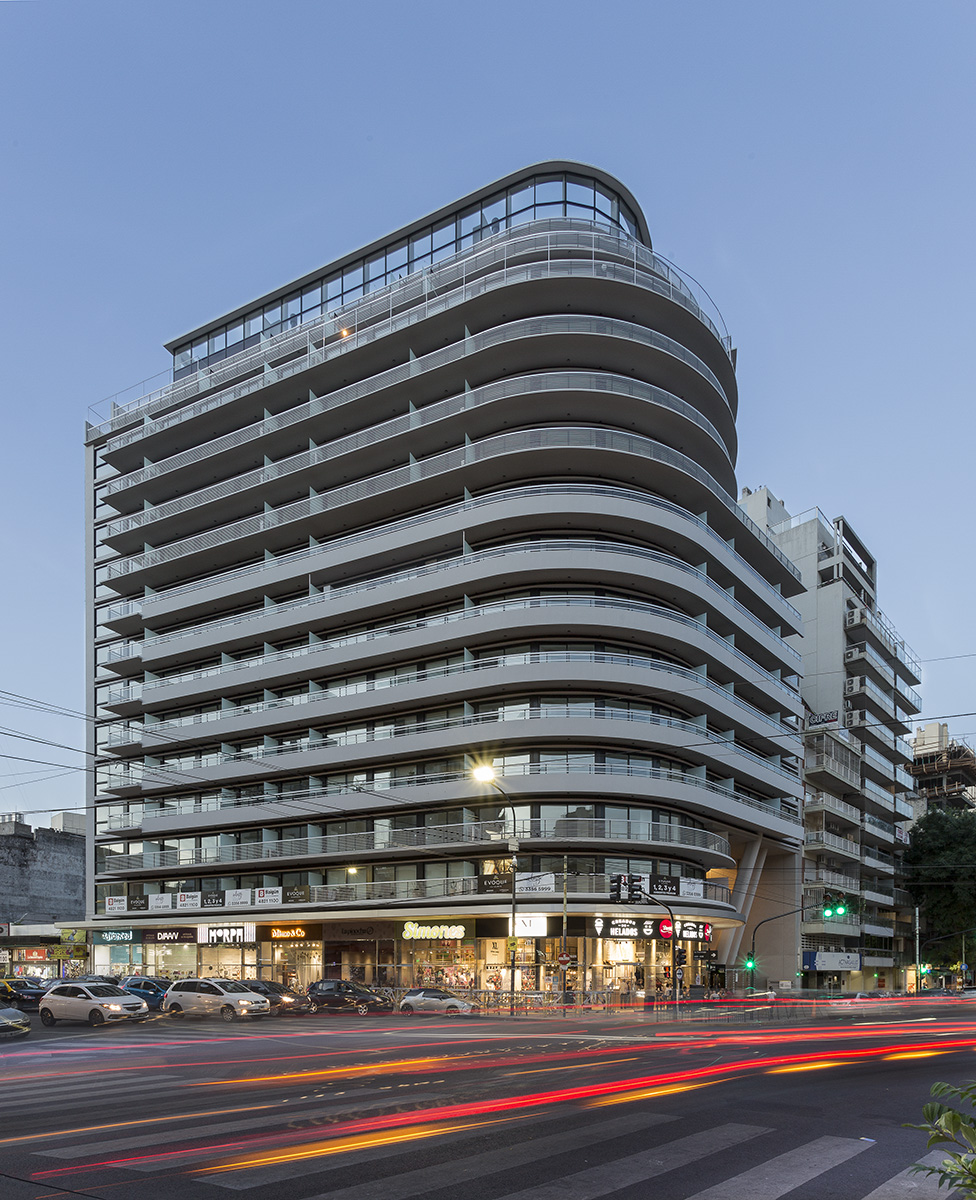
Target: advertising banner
267,895
163,901
188,900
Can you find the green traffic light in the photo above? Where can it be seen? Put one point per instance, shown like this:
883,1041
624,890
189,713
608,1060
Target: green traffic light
750,963
829,912
841,909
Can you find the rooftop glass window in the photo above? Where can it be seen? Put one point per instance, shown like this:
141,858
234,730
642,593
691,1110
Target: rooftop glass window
545,196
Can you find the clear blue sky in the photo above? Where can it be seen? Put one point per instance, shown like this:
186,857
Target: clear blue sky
811,165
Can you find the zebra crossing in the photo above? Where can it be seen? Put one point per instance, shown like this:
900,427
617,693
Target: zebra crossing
570,1155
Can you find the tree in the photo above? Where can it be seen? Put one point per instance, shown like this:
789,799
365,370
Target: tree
940,873
947,1126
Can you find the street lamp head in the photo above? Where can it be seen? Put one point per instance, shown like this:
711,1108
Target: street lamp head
483,774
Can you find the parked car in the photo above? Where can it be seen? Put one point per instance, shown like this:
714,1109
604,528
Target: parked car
147,987
341,995
13,1023
113,979
228,998
438,1000
28,991
283,1000
95,1003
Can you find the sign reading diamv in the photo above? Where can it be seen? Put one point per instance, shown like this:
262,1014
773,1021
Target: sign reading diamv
181,934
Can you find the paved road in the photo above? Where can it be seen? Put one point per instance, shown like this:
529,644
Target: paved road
393,1109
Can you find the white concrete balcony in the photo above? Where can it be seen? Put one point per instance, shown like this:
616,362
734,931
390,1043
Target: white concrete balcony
695,896
710,848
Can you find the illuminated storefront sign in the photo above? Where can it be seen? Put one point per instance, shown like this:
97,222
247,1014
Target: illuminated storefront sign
624,928
302,932
184,935
412,931
111,937
225,935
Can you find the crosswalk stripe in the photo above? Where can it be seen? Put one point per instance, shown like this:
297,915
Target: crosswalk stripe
638,1168
906,1186
67,1097
777,1176
48,1089
174,1134
412,1183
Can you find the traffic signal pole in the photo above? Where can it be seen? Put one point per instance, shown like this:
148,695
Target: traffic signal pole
648,898
765,921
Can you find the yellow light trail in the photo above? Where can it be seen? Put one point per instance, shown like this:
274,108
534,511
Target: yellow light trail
214,1112
650,1093
572,1067
811,1066
369,1141
915,1054
409,1064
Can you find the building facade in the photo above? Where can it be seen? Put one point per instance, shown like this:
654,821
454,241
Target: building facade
858,689
944,769
462,497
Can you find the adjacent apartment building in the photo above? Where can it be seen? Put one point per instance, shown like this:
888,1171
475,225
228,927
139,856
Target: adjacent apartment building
944,769
464,496
858,689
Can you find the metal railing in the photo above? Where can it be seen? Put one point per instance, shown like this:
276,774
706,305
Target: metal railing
583,886
501,661
534,240
470,834
401,525
133,775
548,546
561,381
820,837
338,737
498,445
569,600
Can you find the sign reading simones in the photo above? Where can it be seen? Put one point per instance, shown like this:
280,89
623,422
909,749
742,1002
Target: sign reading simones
412,931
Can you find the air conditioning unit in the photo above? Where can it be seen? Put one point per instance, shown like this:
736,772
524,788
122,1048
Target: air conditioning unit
854,718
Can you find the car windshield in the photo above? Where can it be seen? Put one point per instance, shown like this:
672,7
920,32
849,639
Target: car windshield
19,984
104,989
232,986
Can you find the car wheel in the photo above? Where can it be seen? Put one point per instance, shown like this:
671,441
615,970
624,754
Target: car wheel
174,1010
406,1008
228,1014
452,1010
362,1010
96,1017
47,1018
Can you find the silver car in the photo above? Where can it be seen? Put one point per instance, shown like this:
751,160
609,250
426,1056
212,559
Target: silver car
226,998
95,1003
438,1000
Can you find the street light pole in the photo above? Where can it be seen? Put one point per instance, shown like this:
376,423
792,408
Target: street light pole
486,774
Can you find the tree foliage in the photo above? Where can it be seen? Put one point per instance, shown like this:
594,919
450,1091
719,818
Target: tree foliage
946,1126
940,873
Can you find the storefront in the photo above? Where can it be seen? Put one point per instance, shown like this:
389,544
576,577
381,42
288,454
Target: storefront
293,951
117,952
170,953
228,952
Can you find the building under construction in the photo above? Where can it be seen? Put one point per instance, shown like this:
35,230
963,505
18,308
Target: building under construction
944,770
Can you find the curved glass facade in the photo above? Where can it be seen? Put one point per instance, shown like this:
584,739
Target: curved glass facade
532,199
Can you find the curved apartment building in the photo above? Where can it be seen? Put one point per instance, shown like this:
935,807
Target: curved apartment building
463,497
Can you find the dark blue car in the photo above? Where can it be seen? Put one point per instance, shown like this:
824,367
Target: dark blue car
148,988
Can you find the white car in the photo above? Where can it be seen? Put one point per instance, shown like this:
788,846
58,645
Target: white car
438,1000
95,1003
227,998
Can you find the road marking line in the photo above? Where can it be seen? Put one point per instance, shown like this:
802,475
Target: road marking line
478,1166
905,1185
777,1176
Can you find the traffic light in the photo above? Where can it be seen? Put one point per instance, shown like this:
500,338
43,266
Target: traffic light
750,963
616,883
834,905
635,889
680,956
